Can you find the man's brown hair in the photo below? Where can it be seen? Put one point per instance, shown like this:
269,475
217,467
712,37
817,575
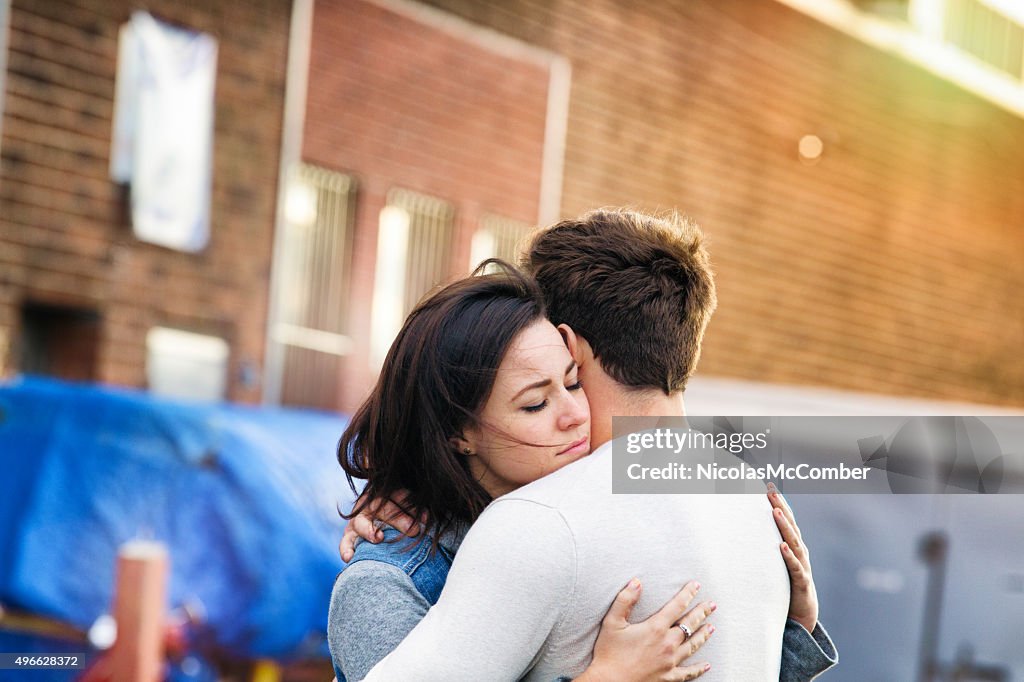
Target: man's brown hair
638,288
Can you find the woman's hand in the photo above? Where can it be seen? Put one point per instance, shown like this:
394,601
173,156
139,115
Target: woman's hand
803,598
366,524
654,649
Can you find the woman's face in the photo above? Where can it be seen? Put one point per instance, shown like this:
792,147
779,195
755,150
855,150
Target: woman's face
536,419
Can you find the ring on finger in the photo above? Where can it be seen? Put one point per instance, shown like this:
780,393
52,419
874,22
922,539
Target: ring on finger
686,631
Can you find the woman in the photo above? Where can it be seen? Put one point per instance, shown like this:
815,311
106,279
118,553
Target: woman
477,396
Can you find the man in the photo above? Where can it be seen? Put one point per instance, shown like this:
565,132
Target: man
526,594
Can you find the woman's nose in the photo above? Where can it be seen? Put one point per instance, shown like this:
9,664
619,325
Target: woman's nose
573,415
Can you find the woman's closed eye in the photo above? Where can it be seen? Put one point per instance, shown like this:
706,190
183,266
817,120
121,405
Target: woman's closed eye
536,408
544,403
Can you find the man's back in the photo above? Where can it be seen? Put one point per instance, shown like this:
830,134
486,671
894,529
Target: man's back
538,570
727,542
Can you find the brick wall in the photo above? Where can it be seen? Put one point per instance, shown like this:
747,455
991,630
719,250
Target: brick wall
895,264
64,234
399,101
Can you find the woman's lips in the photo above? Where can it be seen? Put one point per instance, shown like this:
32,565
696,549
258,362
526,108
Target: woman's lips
577,447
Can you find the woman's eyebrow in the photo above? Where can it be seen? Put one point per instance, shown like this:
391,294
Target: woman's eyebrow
536,384
542,383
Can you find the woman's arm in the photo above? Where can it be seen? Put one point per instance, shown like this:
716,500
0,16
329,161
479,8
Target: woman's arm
373,607
807,650
803,600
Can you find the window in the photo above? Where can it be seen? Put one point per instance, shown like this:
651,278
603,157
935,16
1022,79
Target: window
985,33
310,318
977,44
981,28
498,237
431,223
59,341
414,246
894,9
182,364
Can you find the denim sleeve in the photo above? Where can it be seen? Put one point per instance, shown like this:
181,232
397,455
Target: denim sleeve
373,607
805,655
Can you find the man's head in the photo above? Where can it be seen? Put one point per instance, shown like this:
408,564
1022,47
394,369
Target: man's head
638,289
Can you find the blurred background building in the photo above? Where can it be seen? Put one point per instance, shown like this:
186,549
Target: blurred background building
857,165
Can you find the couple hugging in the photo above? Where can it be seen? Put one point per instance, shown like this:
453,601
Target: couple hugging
486,447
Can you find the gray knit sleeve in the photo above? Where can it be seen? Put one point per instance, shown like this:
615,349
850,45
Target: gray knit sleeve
373,607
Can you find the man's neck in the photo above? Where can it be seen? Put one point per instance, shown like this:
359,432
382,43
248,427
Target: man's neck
610,399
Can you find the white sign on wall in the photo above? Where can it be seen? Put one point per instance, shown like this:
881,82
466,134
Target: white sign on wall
163,130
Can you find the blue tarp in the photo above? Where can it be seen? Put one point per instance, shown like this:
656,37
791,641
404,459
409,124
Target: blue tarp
245,498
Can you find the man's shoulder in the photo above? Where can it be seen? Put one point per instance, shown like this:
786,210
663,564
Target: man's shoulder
587,477
540,513
513,533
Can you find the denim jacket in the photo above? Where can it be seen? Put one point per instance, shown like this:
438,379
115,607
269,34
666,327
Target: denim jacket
428,570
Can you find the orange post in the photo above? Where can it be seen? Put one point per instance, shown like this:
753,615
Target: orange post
140,599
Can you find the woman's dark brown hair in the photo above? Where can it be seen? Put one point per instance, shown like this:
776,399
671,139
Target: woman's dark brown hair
434,382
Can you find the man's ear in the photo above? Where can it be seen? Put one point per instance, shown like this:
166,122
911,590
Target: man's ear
578,347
